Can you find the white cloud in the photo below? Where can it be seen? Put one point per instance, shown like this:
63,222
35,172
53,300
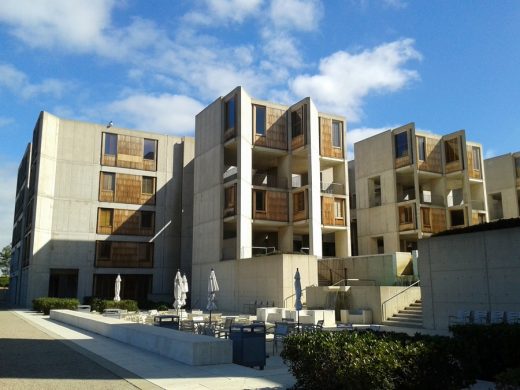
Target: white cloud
490,153
18,83
5,121
173,114
8,175
303,15
216,12
77,25
361,133
397,4
345,79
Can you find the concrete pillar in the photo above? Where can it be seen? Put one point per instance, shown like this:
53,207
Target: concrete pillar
285,239
342,239
313,147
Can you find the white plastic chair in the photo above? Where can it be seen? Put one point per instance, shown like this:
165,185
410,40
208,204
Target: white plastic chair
496,317
480,317
462,318
513,317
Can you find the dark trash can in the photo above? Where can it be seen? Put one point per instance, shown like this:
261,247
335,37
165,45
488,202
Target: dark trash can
248,345
167,321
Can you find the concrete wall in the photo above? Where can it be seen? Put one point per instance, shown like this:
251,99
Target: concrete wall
472,271
263,278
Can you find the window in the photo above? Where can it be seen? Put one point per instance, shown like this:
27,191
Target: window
297,122
421,146
229,197
147,219
380,242
259,120
405,215
148,186
104,250
374,191
110,144
425,216
299,201
457,217
260,200
149,149
401,144
451,150
108,181
338,208
230,113
476,158
106,217
336,134
145,252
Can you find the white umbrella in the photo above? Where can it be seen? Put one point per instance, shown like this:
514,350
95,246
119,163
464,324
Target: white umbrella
117,298
212,289
185,290
177,291
298,295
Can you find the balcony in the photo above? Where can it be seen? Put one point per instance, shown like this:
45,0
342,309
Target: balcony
431,199
262,180
406,218
406,195
333,188
230,175
478,205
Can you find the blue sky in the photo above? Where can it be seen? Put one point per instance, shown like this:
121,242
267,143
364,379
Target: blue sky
445,65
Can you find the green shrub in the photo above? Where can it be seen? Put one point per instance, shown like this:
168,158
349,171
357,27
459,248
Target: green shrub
46,304
151,305
4,281
367,360
509,379
100,305
494,347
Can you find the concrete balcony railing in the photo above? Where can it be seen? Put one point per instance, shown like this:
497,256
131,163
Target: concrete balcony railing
230,174
431,199
478,205
333,188
406,196
269,181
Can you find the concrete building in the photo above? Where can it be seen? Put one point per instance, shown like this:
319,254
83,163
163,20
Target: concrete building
410,184
503,186
269,179
93,202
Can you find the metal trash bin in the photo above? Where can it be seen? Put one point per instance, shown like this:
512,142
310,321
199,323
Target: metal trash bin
248,345
167,321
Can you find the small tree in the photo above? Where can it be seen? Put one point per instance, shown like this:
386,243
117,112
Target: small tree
5,259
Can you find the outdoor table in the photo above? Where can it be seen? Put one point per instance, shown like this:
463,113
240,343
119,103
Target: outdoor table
167,321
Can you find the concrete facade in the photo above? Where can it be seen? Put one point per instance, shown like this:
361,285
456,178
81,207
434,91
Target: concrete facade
58,232
503,186
269,179
411,184
471,271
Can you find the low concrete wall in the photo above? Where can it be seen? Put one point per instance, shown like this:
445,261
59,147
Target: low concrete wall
184,347
471,271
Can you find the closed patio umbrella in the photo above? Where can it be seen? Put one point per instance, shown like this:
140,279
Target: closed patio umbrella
117,298
177,291
212,289
298,295
185,290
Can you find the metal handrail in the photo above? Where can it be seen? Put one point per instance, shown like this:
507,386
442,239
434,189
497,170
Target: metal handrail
383,307
290,296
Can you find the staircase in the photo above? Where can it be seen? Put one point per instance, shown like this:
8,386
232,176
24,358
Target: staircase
409,317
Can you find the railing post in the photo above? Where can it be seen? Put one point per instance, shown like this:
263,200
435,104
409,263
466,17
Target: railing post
330,274
345,276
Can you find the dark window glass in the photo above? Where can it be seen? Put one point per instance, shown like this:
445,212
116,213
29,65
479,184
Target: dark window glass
457,217
451,149
401,145
149,149
104,250
336,134
107,181
260,120
147,219
148,185
260,201
421,145
230,113
110,144
296,122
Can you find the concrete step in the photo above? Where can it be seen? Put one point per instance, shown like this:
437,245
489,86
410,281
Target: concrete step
408,315
402,324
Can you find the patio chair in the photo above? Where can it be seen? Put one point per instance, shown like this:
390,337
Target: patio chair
188,326
319,324
496,317
222,330
480,317
281,331
513,317
462,318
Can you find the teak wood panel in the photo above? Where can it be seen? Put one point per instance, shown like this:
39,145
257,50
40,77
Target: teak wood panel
453,166
326,148
299,215
275,130
298,141
328,215
126,222
276,207
437,220
403,161
128,190
473,173
130,154
126,255
230,204
433,156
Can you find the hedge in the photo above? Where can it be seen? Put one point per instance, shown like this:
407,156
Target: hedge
495,347
368,360
100,305
46,304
